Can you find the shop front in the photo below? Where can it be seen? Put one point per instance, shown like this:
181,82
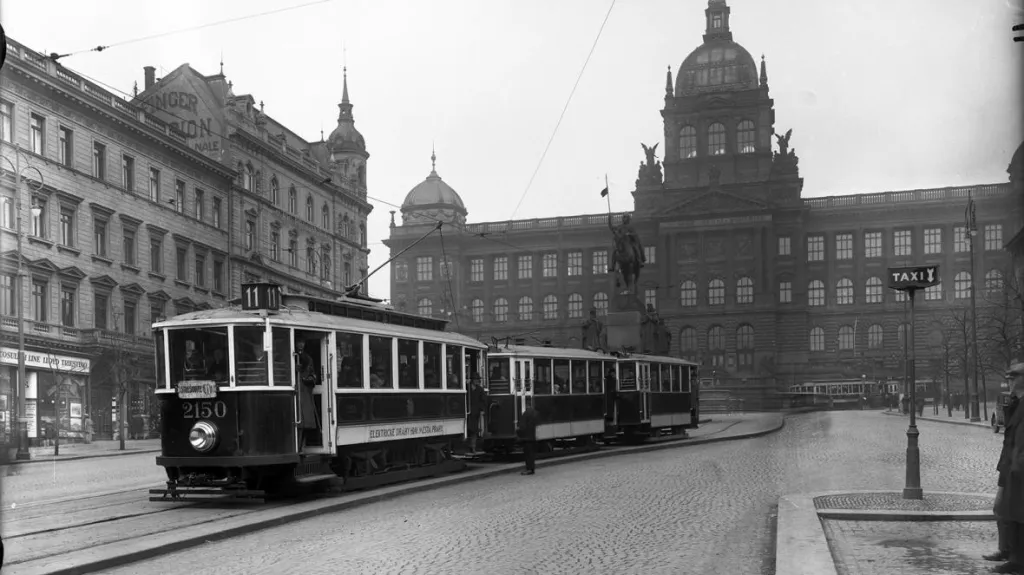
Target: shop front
55,392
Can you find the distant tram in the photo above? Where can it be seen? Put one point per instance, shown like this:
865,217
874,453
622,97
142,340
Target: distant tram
846,394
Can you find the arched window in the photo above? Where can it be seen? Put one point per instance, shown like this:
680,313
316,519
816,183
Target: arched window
873,290
716,345
687,142
745,346
293,200
846,338
310,260
688,343
525,308
994,283
745,290
901,333
274,191
817,339
476,310
716,292
962,285
816,293
325,216
249,178
309,208
241,175
716,139
325,264
688,294
551,307
601,302
257,182
425,307
575,305
745,137
875,338
844,292
501,310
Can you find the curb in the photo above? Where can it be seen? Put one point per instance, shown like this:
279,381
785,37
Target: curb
132,551
978,424
60,458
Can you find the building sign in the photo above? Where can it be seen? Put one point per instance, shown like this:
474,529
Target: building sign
911,278
188,106
45,360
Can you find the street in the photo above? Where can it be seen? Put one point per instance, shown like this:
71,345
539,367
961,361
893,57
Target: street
700,510
40,481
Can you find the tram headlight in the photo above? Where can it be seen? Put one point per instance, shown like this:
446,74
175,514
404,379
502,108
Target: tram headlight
203,436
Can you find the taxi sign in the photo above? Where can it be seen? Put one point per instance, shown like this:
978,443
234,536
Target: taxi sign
909,278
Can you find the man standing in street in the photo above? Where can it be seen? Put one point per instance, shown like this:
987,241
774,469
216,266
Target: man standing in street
527,432
1009,507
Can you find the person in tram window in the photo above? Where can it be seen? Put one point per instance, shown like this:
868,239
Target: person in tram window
610,394
218,366
194,362
477,401
377,378
308,376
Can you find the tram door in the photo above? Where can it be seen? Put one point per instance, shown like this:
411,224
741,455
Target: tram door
643,385
522,378
321,347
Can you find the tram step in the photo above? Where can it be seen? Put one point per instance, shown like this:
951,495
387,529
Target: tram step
227,492
314,478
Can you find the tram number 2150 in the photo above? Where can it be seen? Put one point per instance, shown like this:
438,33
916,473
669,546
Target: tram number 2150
204,409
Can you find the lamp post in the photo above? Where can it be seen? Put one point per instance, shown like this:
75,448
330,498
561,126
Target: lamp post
19,291
973,232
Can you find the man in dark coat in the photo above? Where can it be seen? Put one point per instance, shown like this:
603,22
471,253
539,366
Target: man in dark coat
1003,553
1009,507
477,402
527,433
308,378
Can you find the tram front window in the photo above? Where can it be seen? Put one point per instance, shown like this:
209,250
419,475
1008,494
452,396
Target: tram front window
250,358
198,354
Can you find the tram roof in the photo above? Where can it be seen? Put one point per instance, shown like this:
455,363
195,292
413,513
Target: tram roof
582,354
305,319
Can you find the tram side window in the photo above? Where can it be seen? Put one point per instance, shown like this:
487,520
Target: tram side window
250,358
161,360
453,359
194,353
655,371
474,366
561,376
627,375
542,376
579,376
380,363
665,377
282,353
350,360
678,373
594,372
408,364
611,380
431,365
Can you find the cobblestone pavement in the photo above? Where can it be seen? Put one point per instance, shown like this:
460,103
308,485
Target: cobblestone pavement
895,501
42,481
924,548
697,510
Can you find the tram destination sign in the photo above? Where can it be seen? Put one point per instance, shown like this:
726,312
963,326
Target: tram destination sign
197,389
910,278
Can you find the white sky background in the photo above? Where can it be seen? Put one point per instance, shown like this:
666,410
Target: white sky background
880,95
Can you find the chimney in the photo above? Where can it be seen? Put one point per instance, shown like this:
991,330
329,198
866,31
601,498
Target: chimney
150,76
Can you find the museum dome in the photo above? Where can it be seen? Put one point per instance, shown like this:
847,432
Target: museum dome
433,200
719,64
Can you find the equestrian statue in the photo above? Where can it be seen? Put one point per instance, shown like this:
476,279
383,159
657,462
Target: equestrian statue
627,254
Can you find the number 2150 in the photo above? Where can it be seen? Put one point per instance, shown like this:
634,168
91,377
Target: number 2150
204,409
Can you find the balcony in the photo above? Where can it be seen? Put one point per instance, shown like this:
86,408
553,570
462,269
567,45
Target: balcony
43,329
111,338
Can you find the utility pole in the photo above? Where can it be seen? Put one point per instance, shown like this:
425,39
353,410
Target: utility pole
973,232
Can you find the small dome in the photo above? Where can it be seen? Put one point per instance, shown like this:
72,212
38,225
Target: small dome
433,200
346,138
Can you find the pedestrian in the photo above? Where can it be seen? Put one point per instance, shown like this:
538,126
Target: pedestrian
308,379
477,401
526,430
1009,507
87,428
1003,553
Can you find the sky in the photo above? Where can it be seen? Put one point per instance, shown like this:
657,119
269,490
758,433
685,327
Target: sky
880,95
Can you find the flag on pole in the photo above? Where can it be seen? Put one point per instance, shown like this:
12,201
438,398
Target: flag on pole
604,192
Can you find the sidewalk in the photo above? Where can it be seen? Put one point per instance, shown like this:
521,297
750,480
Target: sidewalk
101,448
958,417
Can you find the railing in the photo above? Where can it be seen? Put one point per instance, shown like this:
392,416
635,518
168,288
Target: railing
936,194
53,331
545,223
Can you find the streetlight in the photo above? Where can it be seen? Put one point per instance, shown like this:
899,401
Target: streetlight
19,291
973,229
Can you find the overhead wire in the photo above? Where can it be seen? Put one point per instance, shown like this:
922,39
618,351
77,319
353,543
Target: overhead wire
446,270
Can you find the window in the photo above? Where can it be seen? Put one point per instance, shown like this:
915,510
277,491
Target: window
130,317
66,147
600,262
716,20
716,139
688,294
785,291
154,184
873,290
40,288
275,245
716,345
293,202
501,310
128,173
993,237
902,243
900,295
425,307
817,339
501,268
901,333
216,212
994,283
274,191
962,285
960,239
550,265
325,217
815,248
156,310
933,241
525,308
68,297
200,270
6,116
745,291
844,246
310,260
67,226
873,245
575,267
650,254
348,273
745,346
293,253
551,307
688,342
651,297
8,290
687,142
875,336
309,208
218,275
745,137
601,302
816,293
716,292
182,262
846,338
99,160
933,293
476,270
39,220
575,305
844,292
7,213
156,255
525,267
250,235
128,246
36,136
248,179
785,246
99,227
179,196
424,269
200,199
101,310
476,310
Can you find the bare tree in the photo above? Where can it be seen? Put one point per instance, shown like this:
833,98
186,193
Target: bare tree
960,322
121,365
945,359
1000,337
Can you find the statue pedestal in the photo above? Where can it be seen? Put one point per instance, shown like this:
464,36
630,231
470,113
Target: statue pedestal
624,323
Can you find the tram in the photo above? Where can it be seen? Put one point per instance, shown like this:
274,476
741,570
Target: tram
845,394
285,389
583,396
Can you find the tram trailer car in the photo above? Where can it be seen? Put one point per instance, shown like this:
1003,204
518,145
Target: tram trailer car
242,415
582,396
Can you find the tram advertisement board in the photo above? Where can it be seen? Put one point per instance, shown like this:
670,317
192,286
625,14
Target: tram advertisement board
917,277
405,431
